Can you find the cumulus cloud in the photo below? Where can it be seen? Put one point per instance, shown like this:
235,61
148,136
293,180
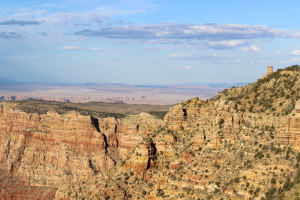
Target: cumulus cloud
69,48
253,48
213,32
10,35
20,23
96,48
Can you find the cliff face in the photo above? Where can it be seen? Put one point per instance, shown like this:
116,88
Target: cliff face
51,150
233,146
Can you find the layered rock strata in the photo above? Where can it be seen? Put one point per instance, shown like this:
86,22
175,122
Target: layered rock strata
242,144
51,150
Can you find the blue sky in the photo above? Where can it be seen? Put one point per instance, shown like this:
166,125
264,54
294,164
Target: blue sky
147,41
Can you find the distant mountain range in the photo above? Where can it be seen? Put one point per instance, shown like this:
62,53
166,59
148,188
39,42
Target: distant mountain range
212,85
6,80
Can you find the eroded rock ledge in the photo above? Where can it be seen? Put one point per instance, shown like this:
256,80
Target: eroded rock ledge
200,149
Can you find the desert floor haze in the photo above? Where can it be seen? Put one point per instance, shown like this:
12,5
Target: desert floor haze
93,92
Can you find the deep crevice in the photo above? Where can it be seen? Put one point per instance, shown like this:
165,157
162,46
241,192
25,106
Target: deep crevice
151,154
184,112
95,123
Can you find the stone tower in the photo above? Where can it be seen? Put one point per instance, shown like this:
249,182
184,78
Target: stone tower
270,71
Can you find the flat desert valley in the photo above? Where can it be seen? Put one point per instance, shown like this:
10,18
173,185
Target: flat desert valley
92,92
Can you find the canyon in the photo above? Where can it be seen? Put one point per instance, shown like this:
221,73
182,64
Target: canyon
243,143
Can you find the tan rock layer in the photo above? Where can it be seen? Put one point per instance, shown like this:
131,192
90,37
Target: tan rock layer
65,151
52,149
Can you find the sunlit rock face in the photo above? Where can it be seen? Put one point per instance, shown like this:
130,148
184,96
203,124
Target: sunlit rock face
242,144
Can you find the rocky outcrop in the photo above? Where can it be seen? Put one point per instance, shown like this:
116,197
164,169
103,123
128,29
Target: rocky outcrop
241,144
51,150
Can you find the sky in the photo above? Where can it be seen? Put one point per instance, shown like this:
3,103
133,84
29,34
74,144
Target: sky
147,41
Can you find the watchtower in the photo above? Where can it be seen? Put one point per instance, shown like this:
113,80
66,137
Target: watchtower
270,71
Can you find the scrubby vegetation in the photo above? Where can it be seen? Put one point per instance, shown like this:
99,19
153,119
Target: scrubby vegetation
275,94
241,144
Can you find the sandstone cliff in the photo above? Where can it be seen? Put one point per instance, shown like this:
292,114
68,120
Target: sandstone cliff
242,144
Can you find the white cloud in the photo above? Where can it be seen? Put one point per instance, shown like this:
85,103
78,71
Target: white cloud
296,34
205,56
216,56
64,17
293,61
225,44
213,32
186,67
70,48
295,52
96,48
99,16
253,48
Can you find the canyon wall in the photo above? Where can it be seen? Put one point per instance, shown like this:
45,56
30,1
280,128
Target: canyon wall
51,150
200,149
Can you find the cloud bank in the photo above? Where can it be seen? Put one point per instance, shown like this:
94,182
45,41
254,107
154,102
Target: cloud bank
10,35
212,32
20,23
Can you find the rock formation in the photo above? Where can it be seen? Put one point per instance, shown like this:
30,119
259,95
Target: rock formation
242,144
